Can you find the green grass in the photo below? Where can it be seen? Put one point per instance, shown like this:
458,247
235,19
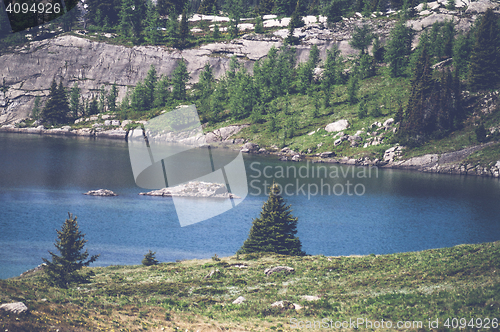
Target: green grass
461,281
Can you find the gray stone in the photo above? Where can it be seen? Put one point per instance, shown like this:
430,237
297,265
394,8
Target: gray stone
212,274
278,269
115,122
428,21
327,154
223,134
239,300
480,6
337,126
249,146
15,308
388,122
107,123
310,298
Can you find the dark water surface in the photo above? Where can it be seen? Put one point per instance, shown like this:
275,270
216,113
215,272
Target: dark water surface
42,178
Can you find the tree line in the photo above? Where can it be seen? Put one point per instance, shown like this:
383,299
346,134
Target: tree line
142,21
433,109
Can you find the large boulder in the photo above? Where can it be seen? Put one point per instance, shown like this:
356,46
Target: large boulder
284,269
15,308
479,7
239,300
337,126
249,147
223,134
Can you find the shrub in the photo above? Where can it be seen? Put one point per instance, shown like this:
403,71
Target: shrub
149,259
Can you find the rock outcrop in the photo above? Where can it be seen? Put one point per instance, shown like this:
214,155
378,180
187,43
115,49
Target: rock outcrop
197,189
100,192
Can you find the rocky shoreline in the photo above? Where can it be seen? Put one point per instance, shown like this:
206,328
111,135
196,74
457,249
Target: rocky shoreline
445,163
118,133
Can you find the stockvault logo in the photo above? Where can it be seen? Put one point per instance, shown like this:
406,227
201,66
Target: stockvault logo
172,151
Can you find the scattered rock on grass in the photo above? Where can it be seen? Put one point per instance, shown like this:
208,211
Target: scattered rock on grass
15,308
239,300
286,304
285,269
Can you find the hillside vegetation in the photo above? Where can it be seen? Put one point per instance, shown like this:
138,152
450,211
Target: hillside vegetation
197,295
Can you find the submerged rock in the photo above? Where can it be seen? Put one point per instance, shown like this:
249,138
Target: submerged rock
194,189
100,192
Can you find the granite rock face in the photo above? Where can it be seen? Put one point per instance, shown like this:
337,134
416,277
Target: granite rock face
29,70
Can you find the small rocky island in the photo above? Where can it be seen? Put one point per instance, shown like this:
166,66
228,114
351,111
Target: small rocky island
100,192
194,189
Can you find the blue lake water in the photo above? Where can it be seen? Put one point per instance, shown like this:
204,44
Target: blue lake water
42,179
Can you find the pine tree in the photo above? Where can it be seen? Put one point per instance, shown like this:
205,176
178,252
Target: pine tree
74,101
216,34
62,271
275,229
56,108
296,21
162,92
140,101
149,259
127,18
362,38
102,99
461,54
419,118
378,50
398,49
153,36
93,106
173,29
111,98
333,68
35,113
150,84
207,7
484,66
183,30
353,85
206,82
305,72
259,24
179,80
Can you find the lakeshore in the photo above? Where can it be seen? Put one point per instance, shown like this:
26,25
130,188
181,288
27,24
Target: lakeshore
443,163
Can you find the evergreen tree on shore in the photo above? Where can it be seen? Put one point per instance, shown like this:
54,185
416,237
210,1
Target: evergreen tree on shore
56,108
62,270
179,80
275,229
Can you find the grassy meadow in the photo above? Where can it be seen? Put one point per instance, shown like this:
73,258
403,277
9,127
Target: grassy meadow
457,282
